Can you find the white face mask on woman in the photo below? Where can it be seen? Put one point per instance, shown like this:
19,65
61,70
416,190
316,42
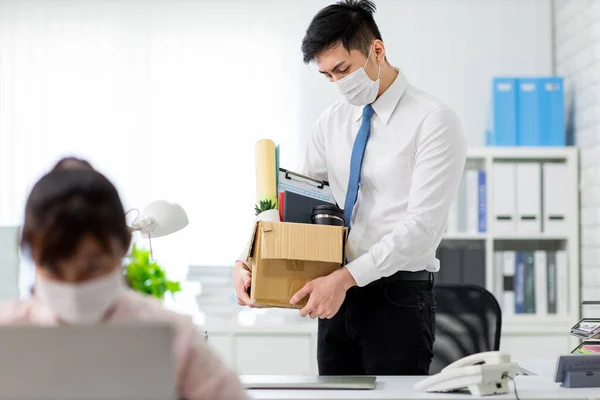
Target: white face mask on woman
358,88
81,303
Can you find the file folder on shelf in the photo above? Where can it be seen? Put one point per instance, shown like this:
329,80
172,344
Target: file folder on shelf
541,120
509,269
472,203
504,197
554,131
541,282
519,282
529,197
529,113
504,112
554,205
562,282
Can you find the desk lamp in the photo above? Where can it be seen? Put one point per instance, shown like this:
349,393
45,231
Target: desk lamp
160,218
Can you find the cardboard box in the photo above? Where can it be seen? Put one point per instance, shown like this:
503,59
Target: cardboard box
285,256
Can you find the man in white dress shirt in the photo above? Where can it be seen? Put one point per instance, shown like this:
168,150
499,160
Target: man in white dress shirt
393,156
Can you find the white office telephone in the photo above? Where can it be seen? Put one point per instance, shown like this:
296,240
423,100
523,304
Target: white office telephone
482,374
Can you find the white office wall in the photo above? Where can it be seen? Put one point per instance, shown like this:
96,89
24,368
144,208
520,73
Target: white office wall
168,97
577,58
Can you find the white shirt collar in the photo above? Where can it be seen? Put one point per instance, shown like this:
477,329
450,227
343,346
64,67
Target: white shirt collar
385,105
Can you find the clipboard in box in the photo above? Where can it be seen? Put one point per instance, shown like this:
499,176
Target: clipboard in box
304,185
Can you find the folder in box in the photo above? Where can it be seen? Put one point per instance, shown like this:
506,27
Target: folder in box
281,205
504,112
504,197
529,197
555,180
298,208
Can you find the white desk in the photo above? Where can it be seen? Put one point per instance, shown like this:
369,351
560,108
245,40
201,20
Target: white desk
542,367
401,388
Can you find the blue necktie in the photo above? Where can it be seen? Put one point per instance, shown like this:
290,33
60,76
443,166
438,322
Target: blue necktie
356,160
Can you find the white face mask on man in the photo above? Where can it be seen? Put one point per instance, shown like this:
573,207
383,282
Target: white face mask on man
81,303
358,88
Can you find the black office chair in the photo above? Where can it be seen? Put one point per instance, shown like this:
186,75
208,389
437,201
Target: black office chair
468,321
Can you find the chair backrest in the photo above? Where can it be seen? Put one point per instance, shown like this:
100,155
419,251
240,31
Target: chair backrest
468,321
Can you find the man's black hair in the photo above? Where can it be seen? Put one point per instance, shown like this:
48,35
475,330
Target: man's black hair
349,22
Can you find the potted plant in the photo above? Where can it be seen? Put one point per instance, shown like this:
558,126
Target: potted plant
146,276
266,210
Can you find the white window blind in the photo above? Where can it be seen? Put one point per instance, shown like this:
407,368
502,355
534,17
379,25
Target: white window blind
163,97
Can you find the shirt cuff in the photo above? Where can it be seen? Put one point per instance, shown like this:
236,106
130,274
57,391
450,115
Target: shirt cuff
244,259
363,270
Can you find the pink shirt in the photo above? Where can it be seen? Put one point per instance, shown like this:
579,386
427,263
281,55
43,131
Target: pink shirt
200,372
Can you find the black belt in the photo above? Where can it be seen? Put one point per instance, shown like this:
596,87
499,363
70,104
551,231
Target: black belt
402,276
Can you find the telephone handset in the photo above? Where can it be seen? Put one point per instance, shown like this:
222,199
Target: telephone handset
482,374
490,357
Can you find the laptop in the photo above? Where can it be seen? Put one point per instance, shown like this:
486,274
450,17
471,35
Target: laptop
106,362
308,382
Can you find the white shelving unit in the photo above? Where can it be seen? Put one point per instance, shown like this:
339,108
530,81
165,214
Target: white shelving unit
522,331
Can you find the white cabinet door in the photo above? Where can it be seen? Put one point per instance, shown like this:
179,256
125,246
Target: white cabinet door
274,355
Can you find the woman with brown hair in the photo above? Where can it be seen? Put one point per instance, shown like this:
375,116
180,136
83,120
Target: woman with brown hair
75,232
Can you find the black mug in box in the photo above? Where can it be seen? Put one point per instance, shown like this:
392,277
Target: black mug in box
327,215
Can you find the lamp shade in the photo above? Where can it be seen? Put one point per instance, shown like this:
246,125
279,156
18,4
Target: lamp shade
161,218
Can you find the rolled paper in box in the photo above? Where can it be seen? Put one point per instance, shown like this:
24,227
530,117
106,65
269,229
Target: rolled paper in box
266,173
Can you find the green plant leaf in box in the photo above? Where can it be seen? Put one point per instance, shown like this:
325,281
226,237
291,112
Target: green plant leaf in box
146,276
264,205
